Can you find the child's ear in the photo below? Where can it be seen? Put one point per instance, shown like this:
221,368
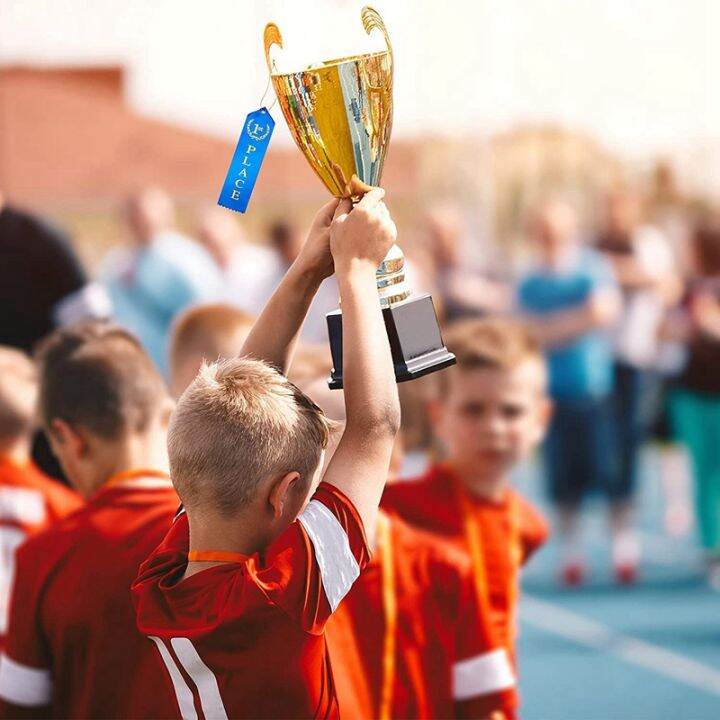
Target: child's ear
280,492
68,437
166,412
546,410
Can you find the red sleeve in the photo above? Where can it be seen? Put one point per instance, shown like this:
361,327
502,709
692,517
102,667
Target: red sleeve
25,677
483,676
310,568
533,528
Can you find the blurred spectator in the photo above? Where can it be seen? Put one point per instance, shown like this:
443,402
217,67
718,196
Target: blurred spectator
570,299
29,501
695,404
669,210
204,333
463,289
42,283
642,260
159,274
250,271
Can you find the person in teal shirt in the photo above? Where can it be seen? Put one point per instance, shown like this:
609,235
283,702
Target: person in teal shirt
158,275
570,299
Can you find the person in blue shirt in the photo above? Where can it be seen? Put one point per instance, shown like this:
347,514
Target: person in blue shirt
570,299
159,274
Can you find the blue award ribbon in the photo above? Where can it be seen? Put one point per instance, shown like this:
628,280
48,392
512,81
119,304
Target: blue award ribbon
246,162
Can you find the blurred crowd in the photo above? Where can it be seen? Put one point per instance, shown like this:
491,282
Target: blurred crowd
627,311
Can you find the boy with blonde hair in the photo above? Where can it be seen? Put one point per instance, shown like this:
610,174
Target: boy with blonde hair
204,333
72,648
491,410
29,501
237,596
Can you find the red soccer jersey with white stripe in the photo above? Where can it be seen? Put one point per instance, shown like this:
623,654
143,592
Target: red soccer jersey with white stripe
444,665
72,646
246,639
29,503
431,503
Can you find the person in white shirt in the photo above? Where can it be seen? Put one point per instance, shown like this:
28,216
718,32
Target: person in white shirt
643,262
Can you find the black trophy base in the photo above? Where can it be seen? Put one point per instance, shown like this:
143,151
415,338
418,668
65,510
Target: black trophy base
415,341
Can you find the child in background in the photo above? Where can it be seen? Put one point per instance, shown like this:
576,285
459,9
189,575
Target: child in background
29,501
204,333
72,648
570,300
237,596
408,640
490,412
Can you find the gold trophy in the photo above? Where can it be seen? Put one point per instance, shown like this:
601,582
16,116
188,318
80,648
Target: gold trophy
340,114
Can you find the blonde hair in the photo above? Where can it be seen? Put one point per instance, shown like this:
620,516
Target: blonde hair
493,342
239,422
210,331
18,393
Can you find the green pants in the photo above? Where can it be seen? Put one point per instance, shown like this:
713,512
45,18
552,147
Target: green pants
696,423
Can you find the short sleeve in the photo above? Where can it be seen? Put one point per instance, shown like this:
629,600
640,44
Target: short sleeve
25,678
483,675
310,568
534,530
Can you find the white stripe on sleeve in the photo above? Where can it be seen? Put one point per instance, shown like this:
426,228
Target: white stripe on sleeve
482,674
338,567
24,685
202,676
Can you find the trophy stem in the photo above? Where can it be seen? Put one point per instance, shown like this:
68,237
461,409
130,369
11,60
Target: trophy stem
390,276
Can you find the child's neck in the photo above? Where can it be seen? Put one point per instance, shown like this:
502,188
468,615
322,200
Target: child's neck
485,487
219,534
132,452
15,450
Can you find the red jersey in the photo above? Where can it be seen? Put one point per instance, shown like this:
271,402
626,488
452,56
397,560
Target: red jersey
505,534
246,639
29,503
408,641
72,646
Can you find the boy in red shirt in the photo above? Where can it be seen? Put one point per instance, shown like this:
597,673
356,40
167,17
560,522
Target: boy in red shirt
236,597
491,411
29,501
408,641
72,647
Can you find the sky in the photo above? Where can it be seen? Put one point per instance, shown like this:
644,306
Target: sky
634,73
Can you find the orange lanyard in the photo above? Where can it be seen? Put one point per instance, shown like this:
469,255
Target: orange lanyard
389,601
473,537
216,556
126,475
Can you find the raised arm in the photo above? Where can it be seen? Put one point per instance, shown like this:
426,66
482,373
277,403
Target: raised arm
275,333
360,238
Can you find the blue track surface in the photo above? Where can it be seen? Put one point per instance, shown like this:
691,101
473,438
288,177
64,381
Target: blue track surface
651,652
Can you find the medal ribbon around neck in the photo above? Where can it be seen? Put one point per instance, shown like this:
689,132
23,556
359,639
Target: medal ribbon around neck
126,476
473,538
389,601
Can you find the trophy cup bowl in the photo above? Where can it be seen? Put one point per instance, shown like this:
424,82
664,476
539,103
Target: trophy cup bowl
340,115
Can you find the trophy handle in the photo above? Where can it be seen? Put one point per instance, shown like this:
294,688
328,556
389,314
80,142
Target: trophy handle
371,20
271,37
